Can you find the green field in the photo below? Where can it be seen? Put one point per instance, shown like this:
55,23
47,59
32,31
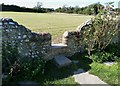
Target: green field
56,24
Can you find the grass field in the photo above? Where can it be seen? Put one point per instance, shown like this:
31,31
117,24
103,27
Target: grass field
56,24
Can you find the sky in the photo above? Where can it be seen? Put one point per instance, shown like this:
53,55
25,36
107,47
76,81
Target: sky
56,3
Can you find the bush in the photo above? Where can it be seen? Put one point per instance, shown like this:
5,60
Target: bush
33,69
101,30
114,48
30,70
9,56
20,70
10,66
103,57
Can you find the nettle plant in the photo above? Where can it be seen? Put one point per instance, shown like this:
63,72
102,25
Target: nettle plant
102,31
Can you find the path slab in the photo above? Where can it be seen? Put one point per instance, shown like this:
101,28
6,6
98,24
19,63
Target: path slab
28,83
84,78
62,61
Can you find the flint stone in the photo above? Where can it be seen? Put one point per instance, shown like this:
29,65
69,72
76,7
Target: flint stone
1,27
11,30
5,23
66,34
11,23
27,40
8,19
1,23
24,36
19,37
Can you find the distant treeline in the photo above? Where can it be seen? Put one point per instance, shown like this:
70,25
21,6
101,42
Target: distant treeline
88,10
24,9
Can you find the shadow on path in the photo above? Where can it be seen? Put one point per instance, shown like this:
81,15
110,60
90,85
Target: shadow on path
53,73
84,62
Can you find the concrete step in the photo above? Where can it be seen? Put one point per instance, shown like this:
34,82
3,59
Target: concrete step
61,61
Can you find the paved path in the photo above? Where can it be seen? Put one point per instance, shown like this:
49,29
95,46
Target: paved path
83,78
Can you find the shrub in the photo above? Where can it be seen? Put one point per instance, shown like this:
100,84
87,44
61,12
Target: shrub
9,56
10,65
103,57
33,69
101,32
114,48
17,70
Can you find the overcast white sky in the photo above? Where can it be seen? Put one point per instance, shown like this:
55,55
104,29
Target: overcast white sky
56,3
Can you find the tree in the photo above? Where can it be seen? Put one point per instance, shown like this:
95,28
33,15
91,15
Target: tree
76,9
95,9
109,6
64,8
38,6
88,11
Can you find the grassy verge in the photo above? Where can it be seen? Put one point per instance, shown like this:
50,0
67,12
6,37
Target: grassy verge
108,74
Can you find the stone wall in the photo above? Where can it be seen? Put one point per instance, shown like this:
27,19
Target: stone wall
71,39
30,44
74,39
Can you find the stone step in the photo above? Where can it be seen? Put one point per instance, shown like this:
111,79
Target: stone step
61,61
58,45
58,49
